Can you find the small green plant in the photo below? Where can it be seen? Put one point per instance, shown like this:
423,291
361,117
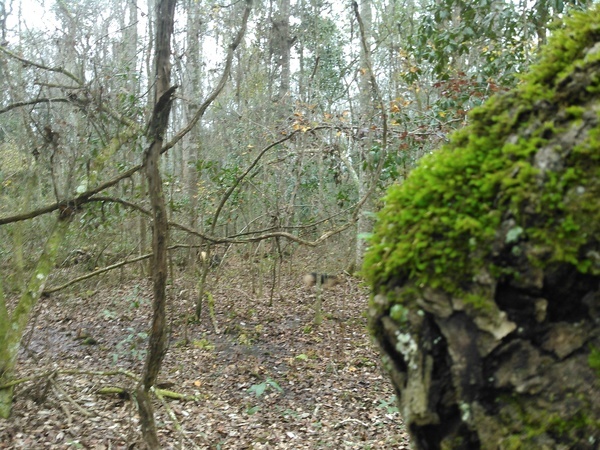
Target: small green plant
290,413
203,344
389,405
259,389
134,299
244,339
133,345
594,360
109,315
363,361
253,410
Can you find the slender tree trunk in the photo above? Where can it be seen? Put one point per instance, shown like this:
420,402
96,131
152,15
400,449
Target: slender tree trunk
192,140
3,17
365,223
286,44
157,345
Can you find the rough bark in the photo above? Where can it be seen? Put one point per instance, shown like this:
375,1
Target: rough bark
157,345
486,267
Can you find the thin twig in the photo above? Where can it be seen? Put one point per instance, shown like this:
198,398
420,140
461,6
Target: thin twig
62,406
350,420
57,388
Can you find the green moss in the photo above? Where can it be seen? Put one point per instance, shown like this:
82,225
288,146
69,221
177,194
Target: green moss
556,426
437,229
574,112
525,425
478,302
399,314
566,50
594,360
512,443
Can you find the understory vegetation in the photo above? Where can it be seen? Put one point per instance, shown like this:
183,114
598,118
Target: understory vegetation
170,172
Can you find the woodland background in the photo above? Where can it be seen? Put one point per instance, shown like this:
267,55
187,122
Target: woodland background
289,120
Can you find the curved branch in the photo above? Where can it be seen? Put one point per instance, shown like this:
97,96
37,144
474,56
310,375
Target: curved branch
41,66
222,81
232,240
33,102
294,227
149,213
106,269
177,246
74,203
96,272
239,179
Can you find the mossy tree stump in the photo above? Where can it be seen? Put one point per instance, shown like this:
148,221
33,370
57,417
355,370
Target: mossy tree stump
485,267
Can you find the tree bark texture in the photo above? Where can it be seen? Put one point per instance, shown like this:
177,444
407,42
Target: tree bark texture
485,266
156,129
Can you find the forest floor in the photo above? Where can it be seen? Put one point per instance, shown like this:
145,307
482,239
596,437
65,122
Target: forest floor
257,376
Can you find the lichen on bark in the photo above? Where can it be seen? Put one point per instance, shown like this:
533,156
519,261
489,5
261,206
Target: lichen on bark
485,266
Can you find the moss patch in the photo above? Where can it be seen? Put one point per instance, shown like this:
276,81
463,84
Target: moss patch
440,225
485,264
536,424
594,360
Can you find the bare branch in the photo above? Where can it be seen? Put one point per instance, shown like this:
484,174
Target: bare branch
232,240
41,66
33,102
222,81
74,203
96,272
250,167
261,237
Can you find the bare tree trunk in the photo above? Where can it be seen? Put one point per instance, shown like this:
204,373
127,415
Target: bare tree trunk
364,223
286,43
192,142
157,345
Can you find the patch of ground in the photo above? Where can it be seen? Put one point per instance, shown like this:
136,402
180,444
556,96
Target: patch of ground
266,378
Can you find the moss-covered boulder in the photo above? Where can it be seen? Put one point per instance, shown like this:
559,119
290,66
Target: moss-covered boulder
485,267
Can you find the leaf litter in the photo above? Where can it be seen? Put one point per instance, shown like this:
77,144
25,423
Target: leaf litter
270,379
